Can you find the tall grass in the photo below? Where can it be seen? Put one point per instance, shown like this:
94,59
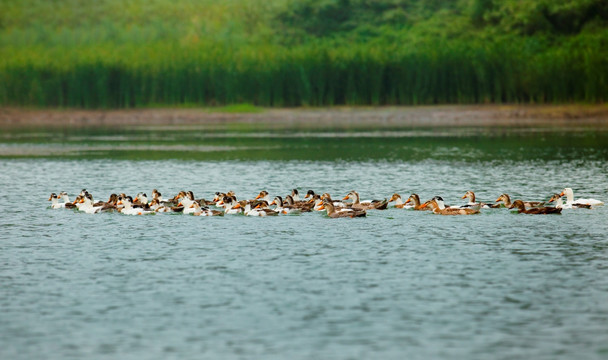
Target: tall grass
271,75
112,54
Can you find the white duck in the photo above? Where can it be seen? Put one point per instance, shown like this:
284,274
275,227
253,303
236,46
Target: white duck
187,202
231,206
129,209
570,199
141,198
283,208
54,202
87,205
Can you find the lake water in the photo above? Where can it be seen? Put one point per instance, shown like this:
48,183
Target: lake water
397,284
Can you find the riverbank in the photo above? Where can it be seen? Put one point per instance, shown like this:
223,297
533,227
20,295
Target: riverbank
317,118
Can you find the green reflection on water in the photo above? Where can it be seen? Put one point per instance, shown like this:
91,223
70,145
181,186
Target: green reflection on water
464,144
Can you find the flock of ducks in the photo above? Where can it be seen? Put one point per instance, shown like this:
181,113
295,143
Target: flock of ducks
350,206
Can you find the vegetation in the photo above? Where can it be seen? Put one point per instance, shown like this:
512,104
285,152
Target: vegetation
114,54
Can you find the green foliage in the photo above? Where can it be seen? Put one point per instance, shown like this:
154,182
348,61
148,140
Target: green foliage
115,54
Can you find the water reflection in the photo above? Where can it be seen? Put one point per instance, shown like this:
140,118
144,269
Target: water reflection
465,144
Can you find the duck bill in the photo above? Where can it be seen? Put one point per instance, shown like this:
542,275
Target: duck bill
322,207
119,203
345,198
258,206
237,206
464,196
259,196
272,203
562,194
136,199
50,198
498,200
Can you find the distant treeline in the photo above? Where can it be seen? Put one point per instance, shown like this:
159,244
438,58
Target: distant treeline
310,63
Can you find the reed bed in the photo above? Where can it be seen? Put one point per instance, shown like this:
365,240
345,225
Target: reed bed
316,74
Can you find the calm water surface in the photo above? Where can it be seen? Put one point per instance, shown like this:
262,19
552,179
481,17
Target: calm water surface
397,284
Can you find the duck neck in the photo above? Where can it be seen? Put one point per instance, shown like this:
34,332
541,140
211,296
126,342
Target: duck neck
569,196
440,204
416,200
471,198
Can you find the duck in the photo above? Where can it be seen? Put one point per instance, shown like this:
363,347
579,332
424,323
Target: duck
156,195
570,199
416,200
260,209
231,206
156,206
55,204
332,212
506,199
295,195
128,208
521,209
309,193
186,202
87,205
263,195
303,206
439,208
316,202
399,203
204,210
472,203
560,204
365,205
141,199
283,208
337,203
66,199
110,204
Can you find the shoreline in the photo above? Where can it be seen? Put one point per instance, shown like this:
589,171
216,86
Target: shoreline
449,116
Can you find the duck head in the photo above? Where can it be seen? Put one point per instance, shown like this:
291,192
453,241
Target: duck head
470,195
518,204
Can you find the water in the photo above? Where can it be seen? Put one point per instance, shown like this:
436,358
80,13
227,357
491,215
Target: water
397,284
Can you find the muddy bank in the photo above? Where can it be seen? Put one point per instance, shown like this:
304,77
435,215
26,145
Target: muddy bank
319,118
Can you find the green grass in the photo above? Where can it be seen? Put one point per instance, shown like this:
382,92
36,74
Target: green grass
233,56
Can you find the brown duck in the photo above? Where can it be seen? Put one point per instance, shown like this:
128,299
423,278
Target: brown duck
367,205
521,209
416,200
333,213
438,207
506,199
